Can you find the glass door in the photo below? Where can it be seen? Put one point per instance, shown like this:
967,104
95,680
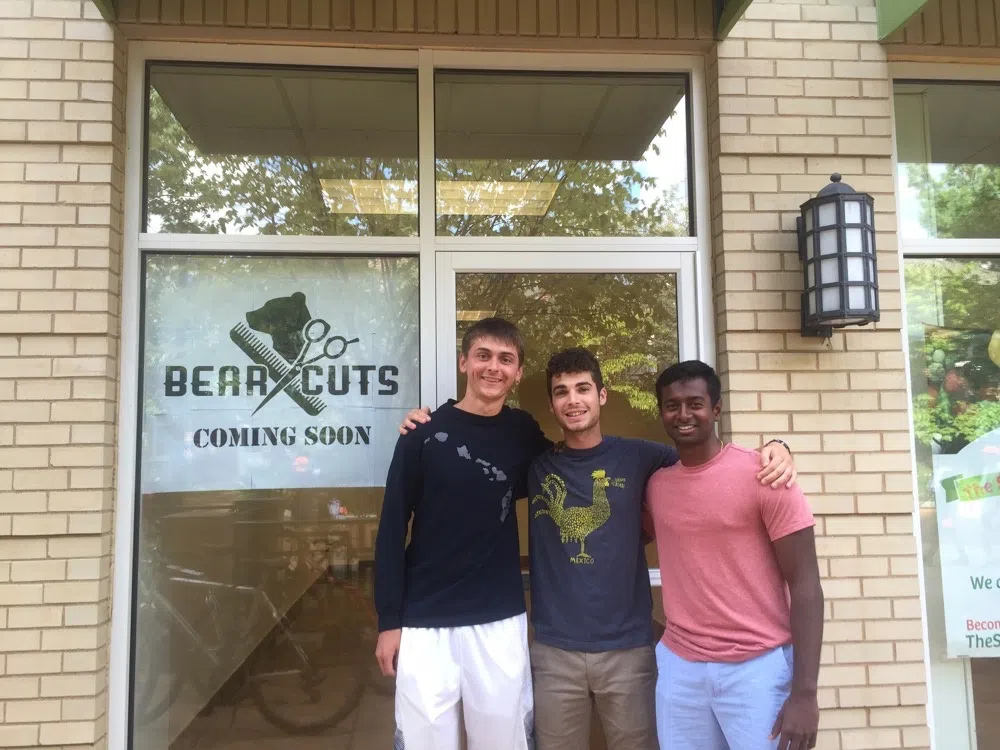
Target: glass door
635,310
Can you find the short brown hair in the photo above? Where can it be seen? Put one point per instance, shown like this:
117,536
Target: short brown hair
494,328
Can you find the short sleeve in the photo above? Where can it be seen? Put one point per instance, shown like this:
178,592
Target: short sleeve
656,456
784,511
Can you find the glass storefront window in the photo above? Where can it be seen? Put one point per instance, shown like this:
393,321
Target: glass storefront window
954,334
271,392
949,159
281,151
561,155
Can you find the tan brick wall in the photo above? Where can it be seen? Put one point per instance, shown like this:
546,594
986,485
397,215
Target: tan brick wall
801,90
61,162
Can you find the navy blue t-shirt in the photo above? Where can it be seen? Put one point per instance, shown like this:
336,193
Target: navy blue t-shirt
589,581
457,477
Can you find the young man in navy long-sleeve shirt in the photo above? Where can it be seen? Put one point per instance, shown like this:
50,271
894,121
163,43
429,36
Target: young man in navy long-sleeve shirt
451,604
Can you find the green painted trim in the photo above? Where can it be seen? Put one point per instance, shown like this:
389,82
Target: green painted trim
893,14
108,10
731,13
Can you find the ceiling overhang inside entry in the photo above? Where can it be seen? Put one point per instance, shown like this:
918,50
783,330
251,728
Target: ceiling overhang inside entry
297,113
951,124
893,14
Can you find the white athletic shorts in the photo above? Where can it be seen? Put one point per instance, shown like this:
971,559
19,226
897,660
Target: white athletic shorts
479,673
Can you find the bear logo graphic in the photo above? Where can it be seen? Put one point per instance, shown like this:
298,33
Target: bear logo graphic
283,318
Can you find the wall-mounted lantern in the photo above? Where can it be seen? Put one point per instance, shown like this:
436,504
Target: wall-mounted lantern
837,248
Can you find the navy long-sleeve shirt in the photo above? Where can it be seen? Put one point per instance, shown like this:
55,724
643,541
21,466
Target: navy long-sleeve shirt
457,477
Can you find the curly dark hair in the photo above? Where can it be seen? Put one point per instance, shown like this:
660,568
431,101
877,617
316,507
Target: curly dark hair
576,359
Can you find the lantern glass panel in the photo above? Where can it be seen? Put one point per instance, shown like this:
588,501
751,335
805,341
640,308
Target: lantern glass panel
852,212
812,303
856,298
810,275
809,219
853,240
828,214
855,268
829,271
831,298
871,240
828,242
871,270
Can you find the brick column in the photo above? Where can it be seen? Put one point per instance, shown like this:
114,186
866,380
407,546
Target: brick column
801,90
61,161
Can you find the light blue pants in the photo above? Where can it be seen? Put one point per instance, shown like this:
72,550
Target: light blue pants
720,706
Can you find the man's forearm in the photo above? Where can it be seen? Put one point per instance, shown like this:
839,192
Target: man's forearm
807,635
389,577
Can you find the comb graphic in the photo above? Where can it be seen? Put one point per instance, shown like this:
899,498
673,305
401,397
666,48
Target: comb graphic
276,366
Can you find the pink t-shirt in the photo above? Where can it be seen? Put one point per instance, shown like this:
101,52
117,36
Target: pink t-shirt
724,597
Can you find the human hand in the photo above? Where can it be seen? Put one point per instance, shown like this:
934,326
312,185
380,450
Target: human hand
413,418
387,651
778,467
797,723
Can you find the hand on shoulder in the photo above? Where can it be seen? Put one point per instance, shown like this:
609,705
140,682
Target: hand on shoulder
414,418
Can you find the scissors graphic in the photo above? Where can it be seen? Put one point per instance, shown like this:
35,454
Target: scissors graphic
313,332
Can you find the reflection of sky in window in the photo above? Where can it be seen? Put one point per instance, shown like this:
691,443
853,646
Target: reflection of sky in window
670,166
908,209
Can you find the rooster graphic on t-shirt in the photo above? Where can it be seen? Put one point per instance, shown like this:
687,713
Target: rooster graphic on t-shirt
576,523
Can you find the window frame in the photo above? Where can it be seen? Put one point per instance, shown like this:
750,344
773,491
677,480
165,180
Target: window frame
929,249
695,249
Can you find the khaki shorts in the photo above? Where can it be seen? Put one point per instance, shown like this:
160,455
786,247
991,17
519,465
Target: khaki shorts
621,685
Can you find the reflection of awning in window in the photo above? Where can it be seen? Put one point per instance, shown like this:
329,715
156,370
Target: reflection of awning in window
947,123
315,114
461,197
299,113
552,116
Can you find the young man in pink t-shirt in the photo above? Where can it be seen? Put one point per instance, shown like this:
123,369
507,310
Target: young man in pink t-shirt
739,658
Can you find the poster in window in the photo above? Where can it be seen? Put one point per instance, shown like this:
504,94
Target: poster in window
961,412
275,372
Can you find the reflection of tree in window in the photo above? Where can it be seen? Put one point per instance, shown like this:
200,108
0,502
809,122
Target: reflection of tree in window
957,200
629,320
577,198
